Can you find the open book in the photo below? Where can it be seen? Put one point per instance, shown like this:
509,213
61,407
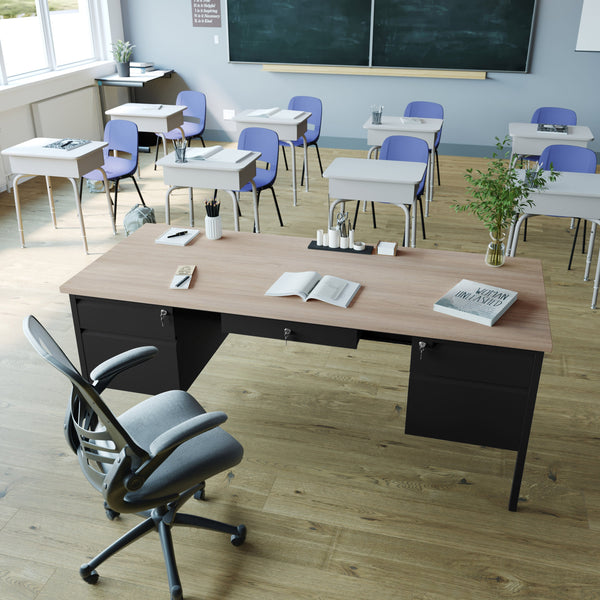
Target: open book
309,285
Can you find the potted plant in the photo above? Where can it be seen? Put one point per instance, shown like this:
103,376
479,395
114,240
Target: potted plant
122,52
499,194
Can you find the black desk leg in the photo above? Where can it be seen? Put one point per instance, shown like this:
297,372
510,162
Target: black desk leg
525,431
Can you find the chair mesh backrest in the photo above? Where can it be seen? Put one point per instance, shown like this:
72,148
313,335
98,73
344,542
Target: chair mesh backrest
265,141
312,105
406,148
553,115
568,158
122,136
90,427
196,105
422,108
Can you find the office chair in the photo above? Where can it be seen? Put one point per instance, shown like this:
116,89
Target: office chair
403,148
150,460
315,107
572,159
265,141
431,110
122,137
196,108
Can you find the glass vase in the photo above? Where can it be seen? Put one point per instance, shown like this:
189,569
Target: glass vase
496,251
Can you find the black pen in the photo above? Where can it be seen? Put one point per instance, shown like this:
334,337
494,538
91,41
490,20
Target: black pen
177,234
182,281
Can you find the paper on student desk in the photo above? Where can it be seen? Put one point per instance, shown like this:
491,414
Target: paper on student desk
183,277
289,114
230,155
177,236
407,120
263,112
202,153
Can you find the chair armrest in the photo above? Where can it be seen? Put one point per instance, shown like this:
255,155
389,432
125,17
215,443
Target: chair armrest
174,437
105,372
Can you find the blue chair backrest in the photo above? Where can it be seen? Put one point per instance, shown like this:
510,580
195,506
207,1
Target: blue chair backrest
265,141
554,116
406,148
568,158
196,104
313,106
422,108
123,137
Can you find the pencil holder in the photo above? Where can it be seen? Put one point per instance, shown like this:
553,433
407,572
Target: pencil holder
212,227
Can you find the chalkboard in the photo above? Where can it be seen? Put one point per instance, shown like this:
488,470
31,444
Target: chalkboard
483,35
311,32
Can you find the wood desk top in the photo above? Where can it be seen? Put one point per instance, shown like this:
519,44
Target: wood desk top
397,294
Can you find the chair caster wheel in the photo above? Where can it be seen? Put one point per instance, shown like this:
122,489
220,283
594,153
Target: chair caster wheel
237,539
200,494
176,593
88,575
110,513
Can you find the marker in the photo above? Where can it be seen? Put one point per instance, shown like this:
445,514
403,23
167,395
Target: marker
182,281
177,234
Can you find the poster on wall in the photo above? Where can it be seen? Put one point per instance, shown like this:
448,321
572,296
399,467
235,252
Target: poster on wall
206,13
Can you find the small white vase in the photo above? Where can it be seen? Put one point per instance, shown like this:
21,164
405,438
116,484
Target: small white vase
212,227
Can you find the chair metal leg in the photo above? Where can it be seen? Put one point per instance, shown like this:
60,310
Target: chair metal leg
115,202
584,236
276,206
156,154
574,243
422,218
525,230
257,201
284,157
319,157
138,191
356,214
437,164
373,213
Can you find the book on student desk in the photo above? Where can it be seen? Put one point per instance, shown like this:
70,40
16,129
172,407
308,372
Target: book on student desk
309,285
476,302
551,128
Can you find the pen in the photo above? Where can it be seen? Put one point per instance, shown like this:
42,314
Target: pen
177,234
182,281
65,143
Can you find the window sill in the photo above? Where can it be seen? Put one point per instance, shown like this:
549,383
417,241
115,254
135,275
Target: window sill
54,83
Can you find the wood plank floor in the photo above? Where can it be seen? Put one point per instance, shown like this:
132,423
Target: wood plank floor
338,501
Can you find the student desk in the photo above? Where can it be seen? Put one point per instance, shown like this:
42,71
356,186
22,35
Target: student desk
575,195
289,125
33,158
468,382
211,173
155,118
528,141
391,181
419,127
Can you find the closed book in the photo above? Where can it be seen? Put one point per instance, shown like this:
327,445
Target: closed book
477,302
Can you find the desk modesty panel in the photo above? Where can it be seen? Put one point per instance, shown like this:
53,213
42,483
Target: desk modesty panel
468,383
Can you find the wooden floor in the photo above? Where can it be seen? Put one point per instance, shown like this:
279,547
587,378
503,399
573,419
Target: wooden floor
338,501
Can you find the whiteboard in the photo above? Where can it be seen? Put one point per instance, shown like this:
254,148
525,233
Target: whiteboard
588,39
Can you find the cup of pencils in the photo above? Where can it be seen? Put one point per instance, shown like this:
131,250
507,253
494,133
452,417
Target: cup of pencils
212,221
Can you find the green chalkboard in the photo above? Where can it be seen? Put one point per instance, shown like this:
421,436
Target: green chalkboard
482,35
311,32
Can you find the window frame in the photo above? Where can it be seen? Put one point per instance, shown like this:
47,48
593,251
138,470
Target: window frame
98,32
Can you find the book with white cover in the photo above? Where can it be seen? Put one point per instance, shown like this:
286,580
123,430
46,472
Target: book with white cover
309,285
476,302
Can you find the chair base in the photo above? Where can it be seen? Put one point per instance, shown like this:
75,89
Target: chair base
162,519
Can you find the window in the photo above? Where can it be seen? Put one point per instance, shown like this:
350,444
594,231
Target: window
43,35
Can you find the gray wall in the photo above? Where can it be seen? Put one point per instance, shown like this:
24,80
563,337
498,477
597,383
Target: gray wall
475,111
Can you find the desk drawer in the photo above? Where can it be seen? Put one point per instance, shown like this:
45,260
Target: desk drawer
126,318
310,333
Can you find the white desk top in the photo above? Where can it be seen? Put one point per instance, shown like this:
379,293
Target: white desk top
399,124
228,159
530,130
136,80
272,116
376,171
139,109
35,148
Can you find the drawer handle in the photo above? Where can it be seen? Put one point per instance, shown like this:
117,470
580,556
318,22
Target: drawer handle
286,334
163,317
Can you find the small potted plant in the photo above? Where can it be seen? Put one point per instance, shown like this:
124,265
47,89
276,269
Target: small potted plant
122,52
499,194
